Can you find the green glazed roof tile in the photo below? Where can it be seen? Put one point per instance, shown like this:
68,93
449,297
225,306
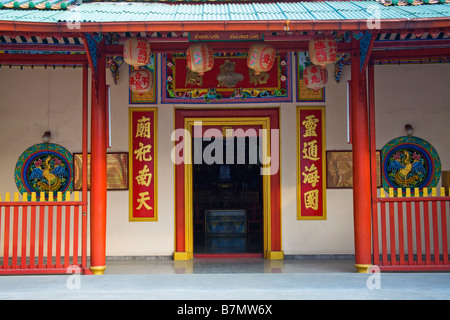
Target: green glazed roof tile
220,11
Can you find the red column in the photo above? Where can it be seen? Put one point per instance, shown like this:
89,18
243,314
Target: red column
98,169
361,165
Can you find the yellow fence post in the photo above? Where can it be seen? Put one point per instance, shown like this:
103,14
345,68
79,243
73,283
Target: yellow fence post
433,192
408,193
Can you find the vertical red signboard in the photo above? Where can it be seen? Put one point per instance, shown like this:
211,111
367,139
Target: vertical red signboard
311,167
142,160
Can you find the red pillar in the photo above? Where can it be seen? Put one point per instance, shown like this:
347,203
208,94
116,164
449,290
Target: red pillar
98,169
361,165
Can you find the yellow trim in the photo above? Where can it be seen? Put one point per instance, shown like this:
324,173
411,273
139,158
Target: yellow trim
180,256
323,175
362,268
130,163
98,270
264,122
275,255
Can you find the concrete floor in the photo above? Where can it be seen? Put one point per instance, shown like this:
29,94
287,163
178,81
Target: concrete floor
227,280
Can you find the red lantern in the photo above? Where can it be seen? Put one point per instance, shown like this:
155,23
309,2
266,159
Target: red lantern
141,81
315,77
322,51
261,57
199,58
136,52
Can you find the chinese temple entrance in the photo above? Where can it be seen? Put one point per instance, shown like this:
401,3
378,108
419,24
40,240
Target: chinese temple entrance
227,195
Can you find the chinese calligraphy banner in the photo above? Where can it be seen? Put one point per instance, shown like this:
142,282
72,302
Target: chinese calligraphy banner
311,167
142,159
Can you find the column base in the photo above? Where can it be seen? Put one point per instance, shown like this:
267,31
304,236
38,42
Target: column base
98,270
182,256
275,255
362,268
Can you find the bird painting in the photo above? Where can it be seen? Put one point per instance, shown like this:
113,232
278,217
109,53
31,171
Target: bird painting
406,168
48,175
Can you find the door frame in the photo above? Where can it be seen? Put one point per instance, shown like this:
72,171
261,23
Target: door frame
267,118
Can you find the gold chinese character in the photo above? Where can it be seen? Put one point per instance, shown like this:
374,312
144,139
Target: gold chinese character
143,128
310,150
142,153
312,199
193,78
144,196
312,177
145,177
310,125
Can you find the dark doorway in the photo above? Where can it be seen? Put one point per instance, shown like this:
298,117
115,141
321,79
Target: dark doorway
228,199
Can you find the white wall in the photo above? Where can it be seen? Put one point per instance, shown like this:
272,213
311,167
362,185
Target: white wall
416,94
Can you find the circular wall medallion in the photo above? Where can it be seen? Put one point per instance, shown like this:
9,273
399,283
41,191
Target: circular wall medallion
44,167
410,162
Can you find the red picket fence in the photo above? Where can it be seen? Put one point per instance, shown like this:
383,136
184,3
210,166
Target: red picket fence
411,233
43,236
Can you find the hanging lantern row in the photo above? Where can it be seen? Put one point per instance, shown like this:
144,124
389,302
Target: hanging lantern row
200,58
322,51
141,81
315,77
261,57
136,52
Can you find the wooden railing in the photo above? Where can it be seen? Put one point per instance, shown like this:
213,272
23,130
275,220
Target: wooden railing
44,236
410,232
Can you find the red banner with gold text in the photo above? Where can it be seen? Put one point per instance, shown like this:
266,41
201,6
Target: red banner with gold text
142,159
311,166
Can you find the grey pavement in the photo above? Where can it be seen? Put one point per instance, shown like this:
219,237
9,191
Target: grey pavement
221,279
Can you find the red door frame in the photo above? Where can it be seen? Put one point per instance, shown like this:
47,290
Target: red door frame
274,252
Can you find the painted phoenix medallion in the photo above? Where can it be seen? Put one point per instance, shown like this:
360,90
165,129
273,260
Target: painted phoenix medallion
410,162
44,167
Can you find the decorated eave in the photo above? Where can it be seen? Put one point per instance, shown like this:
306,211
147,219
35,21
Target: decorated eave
65,26
150,16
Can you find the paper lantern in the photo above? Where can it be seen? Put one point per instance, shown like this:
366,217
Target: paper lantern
141,81
261,57
200,58
136,52
315,77
322,51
